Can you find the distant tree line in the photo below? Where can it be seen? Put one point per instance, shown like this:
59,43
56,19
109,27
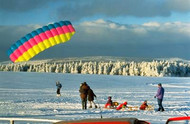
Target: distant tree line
153,68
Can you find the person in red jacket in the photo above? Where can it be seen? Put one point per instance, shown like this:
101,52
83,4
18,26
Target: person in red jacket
109,102
122,105
144,105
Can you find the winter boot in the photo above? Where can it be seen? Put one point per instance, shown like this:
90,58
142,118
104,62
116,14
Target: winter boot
162,110
58,95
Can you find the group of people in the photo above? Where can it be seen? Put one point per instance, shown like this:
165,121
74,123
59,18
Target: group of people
115,105
159,95
86,93
111,104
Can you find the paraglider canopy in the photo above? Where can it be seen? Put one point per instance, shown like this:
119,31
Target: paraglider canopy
39,40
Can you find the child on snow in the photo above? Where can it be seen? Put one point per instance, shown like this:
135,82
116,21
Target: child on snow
109,102
122,105
144,105
91,96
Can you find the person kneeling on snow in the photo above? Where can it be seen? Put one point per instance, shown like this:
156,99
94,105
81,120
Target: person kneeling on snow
122,105
144,105
109,103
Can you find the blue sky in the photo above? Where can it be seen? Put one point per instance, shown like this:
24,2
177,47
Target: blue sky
126,28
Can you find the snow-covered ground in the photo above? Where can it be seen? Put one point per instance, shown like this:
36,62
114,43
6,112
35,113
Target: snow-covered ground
33,95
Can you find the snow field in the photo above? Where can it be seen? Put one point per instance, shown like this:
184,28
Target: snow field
33,95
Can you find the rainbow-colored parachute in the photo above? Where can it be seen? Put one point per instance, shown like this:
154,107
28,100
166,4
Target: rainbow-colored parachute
39,40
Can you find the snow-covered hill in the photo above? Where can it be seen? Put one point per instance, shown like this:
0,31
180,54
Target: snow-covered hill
105,65
33,95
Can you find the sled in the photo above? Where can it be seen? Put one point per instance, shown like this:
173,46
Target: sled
136,108
150,108
109,108
132,108
114,105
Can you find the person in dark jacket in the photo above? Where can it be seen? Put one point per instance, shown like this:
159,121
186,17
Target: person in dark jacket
91,96
160,95
59,86
83,94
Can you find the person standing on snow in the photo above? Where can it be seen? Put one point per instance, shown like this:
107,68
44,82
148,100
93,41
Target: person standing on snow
58,84
160,96
91,96
83,94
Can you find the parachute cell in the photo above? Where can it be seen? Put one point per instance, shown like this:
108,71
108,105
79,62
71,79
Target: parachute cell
39,40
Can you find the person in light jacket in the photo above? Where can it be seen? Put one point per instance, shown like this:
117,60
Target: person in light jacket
160,95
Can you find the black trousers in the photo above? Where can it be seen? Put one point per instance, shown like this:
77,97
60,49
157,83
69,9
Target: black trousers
58,91
161,108
84,103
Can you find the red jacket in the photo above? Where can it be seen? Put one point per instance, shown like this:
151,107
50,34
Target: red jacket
121,106
109,103
143,106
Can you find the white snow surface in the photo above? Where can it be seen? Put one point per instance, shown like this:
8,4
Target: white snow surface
33,95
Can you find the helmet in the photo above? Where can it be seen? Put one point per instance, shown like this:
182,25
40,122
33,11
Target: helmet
125,103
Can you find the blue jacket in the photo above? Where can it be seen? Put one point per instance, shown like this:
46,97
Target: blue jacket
160,93
58,86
